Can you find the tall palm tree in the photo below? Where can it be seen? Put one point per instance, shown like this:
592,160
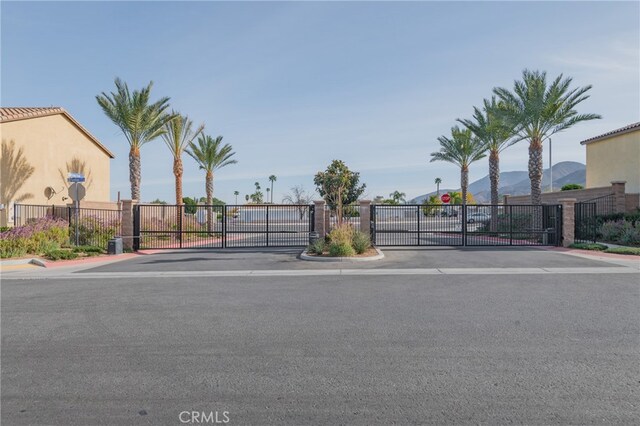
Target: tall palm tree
462,149
272,179
537,111
268,191
179,133
236,193
210,155
489,127
438,181
139,120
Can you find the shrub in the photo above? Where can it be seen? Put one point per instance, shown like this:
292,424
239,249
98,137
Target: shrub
360,242
341,249
611,230
589,246
635,251
341,234
570,186
630,234
87,249
94,230
316,247
35,237
61,254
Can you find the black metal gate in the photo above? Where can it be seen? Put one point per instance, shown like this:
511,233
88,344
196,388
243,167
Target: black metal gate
585,222
470,225
216,226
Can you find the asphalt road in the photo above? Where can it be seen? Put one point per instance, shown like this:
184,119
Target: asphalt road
395,257
369,350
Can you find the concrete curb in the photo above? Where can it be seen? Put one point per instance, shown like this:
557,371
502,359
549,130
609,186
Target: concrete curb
24,261
305,256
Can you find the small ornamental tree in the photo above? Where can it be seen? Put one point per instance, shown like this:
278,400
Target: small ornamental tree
339,186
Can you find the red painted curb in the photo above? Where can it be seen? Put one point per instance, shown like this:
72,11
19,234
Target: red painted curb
592,253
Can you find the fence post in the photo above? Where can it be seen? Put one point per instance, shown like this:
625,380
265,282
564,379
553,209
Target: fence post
365,216
568,221
127,224
618,189
319,214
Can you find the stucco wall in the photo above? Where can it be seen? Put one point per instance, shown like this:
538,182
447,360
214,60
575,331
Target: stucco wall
48,144
614,159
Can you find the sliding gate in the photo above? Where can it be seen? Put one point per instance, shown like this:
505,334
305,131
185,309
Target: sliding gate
471,225
215,226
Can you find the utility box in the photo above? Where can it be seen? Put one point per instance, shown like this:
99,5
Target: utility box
115,246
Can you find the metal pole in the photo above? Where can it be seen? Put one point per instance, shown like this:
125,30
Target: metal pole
550,166
77,203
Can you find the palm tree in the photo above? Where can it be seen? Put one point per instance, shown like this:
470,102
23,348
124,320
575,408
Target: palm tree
210,155
139,120
462,149
268,190
179,133
490,128
236,193
438,181
537,111
272,179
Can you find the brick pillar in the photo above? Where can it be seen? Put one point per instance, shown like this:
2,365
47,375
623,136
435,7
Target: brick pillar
365,216
618,189
505,197
127,223
319,221
568,220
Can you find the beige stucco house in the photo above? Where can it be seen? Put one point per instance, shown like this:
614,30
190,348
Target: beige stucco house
614,156
40,146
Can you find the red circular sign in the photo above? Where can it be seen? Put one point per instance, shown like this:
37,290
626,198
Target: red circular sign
445,198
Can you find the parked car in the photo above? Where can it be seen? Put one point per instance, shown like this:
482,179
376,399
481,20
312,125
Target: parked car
478,217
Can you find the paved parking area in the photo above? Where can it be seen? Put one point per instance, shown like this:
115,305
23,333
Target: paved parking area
395,258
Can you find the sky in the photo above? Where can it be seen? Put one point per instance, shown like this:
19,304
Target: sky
292,86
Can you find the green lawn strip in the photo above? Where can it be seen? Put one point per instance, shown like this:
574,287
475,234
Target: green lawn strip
633,251
589,246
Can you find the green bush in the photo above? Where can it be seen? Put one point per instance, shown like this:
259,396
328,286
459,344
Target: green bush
341,249
570,186
360,242
620,231
4,228
317,247
88,249
635,251
589,246
36,237
95,230
61,255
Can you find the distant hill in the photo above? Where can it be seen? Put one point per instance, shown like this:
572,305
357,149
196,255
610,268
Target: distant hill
517,182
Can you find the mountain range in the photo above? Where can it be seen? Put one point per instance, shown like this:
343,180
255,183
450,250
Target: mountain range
517,182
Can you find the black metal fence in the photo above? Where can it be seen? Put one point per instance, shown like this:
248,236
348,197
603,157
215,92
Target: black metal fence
585,222
218,226
470,225
94,227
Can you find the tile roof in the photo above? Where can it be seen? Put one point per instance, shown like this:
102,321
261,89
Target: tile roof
23,113
625,129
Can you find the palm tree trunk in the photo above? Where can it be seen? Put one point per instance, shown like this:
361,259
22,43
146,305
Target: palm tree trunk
209,189
134,172
177,172
494,177
535,170
271,192
464,182
535,175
